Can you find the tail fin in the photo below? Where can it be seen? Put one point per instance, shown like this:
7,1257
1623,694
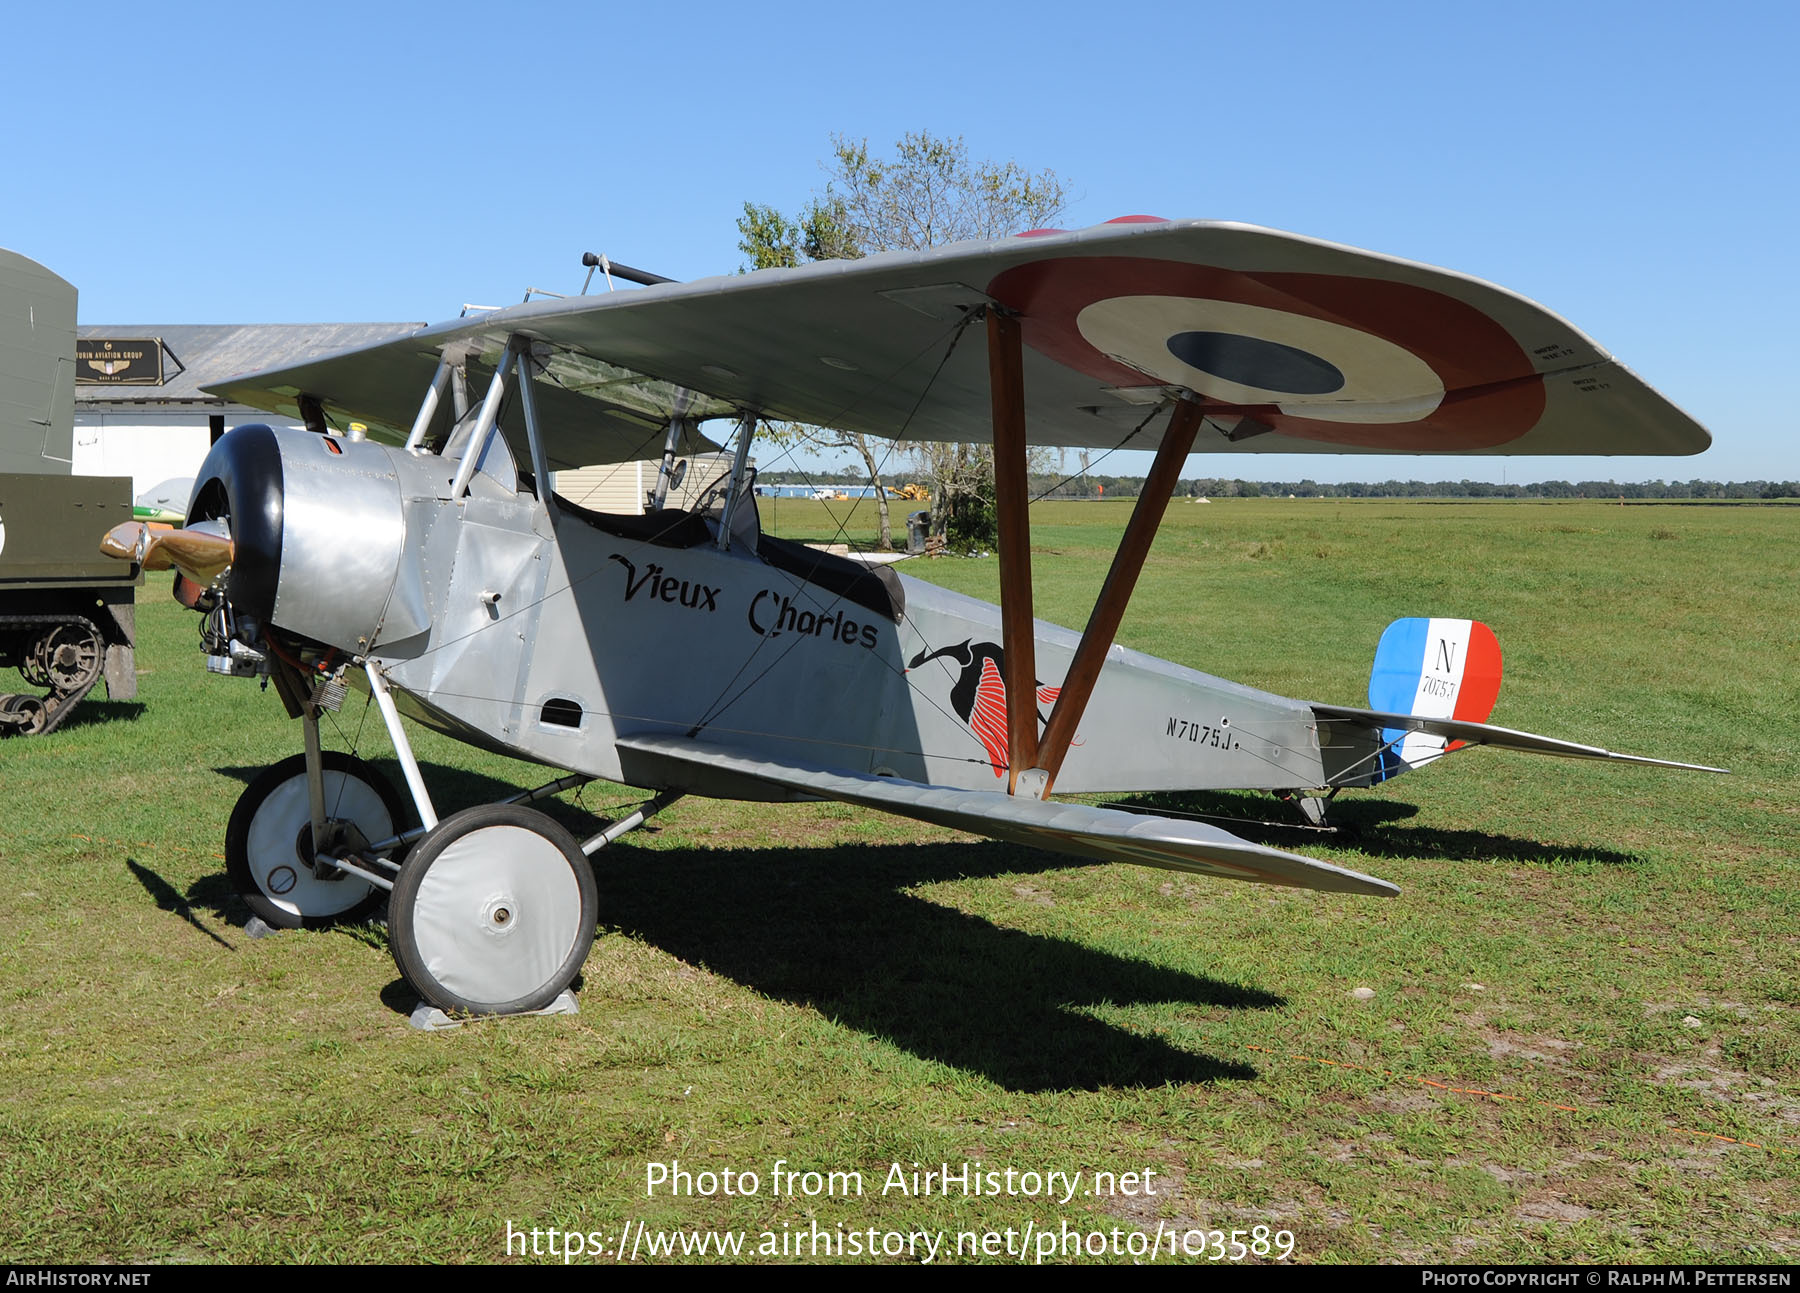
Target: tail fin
1432,668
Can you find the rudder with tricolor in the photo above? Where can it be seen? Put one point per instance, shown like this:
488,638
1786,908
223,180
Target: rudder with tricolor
1432,668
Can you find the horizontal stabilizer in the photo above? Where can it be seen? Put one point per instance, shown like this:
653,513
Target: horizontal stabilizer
1103,833
1505,738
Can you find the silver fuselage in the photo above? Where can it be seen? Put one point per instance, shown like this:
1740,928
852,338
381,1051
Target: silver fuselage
549,638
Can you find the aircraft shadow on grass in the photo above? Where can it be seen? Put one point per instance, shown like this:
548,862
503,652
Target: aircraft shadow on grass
834,929
1370,826
168,898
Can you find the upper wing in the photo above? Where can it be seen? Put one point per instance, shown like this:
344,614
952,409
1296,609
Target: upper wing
1103,833
1293,345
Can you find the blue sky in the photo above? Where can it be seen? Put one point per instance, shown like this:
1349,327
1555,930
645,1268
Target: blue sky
1631,166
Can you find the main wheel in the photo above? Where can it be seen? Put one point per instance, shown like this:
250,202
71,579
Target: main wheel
268,842
493,912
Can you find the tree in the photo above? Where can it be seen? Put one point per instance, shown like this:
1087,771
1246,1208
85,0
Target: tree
773,241
926,194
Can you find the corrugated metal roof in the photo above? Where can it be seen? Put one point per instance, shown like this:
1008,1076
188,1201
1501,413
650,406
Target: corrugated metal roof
212,352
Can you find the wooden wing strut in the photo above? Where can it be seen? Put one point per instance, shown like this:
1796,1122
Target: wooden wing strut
1115,593
1012,499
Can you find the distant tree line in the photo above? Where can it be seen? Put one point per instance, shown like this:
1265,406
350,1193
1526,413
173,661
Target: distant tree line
1093,485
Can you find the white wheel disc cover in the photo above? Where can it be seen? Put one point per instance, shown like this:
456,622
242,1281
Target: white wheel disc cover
497,914
286,878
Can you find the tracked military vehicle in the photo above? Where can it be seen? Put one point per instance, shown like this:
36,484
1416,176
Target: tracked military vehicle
66,611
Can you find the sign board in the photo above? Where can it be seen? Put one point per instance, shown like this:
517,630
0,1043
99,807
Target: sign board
118,362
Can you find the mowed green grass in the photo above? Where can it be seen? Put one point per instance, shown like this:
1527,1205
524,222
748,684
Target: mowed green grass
1583,1042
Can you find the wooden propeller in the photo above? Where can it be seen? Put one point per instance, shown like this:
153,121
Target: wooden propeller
197,554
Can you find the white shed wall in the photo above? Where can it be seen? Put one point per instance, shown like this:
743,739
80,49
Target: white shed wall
148,445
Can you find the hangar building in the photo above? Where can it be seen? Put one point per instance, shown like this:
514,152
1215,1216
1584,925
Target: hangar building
140,412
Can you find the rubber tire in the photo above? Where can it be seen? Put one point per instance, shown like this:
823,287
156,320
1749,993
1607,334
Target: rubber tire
285,784
493,912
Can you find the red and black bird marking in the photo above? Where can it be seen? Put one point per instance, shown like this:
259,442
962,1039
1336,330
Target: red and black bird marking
979,694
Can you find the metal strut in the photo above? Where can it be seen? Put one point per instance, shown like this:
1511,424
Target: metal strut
485,426
315,774
440,381
625,825
534,436
665,471
415,781
746,429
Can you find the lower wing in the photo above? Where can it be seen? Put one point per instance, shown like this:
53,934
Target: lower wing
679,763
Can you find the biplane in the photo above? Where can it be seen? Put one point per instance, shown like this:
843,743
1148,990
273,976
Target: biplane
684,651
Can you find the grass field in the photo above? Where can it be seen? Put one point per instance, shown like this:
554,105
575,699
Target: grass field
1580,1039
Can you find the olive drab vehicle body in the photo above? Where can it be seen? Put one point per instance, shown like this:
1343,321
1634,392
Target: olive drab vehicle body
66,611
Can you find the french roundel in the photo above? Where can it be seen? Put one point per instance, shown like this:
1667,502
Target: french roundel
1359,362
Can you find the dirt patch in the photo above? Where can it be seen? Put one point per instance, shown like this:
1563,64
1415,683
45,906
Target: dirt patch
1402,1097
1726,1085
1144,1210
1541,1049
1552,1208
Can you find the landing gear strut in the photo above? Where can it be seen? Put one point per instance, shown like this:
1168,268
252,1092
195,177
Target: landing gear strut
271,851
491,911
